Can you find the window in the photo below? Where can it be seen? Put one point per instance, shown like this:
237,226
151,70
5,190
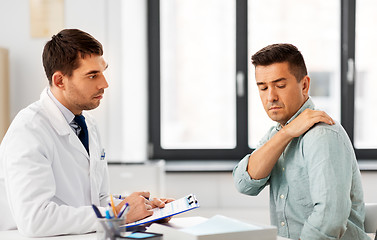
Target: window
314,28
366,75
198,65
203,100
196,108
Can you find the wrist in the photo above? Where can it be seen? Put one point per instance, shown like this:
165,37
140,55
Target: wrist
284,135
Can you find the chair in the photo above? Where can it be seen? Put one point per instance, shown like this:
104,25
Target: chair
370,223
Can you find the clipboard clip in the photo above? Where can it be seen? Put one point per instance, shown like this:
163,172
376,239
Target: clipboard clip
192,199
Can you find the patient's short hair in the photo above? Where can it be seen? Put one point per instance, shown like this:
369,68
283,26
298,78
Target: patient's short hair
282,52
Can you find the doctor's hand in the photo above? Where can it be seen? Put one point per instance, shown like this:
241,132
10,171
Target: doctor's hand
160,203
140,207
305,121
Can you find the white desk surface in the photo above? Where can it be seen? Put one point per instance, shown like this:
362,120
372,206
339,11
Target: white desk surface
15,235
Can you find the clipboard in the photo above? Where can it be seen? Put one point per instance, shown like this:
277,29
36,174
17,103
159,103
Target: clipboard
178,206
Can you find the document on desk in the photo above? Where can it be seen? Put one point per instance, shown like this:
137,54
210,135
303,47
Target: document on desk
178,206
220,224
216,228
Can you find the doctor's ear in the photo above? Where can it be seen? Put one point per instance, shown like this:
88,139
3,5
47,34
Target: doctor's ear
57,79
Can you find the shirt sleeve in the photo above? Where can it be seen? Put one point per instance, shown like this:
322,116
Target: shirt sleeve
244,183
242,180
329,162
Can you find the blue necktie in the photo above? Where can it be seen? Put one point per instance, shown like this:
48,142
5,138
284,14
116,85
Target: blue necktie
84,136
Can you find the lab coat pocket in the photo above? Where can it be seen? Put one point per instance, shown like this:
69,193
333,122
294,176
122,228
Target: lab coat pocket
99,164
103,154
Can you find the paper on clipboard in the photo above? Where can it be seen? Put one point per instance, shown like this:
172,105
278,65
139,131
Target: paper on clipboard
173,208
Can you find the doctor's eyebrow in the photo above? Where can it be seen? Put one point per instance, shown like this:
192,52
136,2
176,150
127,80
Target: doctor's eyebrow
96,71
274,81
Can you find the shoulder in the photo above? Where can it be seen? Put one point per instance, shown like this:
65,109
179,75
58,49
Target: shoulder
31,120
30,115
331,135
28,130
325,130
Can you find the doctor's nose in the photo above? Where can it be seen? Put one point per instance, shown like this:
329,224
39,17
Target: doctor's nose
103,84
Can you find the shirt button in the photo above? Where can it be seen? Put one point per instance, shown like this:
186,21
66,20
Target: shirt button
282,224
282,196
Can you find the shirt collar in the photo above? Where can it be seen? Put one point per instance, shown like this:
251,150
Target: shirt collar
308,104
68,115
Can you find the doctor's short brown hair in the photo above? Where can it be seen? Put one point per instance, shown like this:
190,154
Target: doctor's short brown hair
279,53
63,51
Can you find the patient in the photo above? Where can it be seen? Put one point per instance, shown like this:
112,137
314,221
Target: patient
307,158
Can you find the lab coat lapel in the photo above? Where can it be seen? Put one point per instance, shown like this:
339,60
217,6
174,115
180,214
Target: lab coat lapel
94,150
75,141
59,123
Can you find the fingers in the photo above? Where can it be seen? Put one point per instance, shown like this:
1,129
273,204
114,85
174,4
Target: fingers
164,220
316,116
160,202
321,116
305,121
144,194
156,202
327,119
168,200
140,207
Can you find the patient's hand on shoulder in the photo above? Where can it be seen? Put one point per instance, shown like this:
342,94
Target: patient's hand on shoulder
305,121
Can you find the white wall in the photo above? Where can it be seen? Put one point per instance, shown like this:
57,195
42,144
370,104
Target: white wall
120,25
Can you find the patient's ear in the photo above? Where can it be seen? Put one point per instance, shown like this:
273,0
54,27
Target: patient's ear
305,82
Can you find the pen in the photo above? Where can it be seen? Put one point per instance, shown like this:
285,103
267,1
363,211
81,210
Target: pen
108,214
119,197
96,211
125,206
112,205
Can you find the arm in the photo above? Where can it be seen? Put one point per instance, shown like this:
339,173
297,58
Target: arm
330,175
262,161
242,181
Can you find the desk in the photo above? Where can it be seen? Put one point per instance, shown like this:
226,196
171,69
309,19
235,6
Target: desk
15,235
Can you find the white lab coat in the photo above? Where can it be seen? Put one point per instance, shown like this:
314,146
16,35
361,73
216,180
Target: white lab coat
47,179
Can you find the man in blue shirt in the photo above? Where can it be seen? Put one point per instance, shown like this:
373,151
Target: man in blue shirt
307,158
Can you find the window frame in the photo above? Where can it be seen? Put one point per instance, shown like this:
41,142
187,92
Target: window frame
347,95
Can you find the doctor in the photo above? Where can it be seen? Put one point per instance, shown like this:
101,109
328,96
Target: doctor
52,162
